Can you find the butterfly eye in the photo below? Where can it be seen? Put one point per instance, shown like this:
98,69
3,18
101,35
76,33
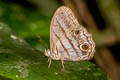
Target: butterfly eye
84,47
76,32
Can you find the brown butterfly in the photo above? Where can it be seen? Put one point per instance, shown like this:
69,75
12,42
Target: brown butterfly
69,40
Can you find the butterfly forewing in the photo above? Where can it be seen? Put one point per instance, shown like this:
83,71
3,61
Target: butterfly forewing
69,40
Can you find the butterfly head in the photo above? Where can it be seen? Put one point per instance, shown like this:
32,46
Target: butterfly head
47,52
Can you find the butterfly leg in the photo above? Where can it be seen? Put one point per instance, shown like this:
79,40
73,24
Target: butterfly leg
63,64
49,60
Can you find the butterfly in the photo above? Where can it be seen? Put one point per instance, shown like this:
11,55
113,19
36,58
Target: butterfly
69,40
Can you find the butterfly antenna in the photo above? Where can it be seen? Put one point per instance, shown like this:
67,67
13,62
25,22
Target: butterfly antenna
42,41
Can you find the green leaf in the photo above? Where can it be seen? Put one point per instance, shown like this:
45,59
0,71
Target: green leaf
19,61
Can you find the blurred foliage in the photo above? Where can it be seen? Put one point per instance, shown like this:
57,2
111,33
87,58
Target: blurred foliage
26,22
